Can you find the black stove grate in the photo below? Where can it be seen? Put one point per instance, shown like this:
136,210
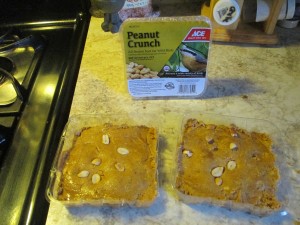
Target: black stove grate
19,60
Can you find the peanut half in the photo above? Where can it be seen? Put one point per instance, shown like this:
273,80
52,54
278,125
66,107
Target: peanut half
231,165
83,173
96,162
123,151
105,139
96,178
217,171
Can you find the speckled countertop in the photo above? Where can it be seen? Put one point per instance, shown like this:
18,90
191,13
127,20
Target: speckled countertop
246,81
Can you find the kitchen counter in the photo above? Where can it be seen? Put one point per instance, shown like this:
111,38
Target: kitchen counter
258,82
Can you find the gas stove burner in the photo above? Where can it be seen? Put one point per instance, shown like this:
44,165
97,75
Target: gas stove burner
10,88
8,36
29,41
6,64
7,90
18,59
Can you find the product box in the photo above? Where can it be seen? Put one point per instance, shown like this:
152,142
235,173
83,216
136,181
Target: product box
166,57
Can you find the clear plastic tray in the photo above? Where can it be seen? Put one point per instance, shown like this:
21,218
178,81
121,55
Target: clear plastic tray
72,130
279,149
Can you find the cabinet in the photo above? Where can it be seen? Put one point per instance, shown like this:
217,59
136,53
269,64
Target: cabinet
258,33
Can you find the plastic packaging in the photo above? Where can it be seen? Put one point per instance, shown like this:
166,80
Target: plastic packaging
166,57
137,9
111,165
217,184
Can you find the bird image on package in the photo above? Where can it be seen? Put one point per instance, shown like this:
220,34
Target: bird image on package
166,57
193,61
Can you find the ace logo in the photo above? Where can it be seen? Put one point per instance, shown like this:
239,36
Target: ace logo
198,34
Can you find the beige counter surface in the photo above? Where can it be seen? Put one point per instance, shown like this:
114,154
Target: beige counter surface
243,81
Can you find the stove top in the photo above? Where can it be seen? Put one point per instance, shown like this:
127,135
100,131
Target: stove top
20,55
40,56
19,58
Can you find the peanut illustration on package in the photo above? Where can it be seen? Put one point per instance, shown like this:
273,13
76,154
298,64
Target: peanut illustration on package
136,71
